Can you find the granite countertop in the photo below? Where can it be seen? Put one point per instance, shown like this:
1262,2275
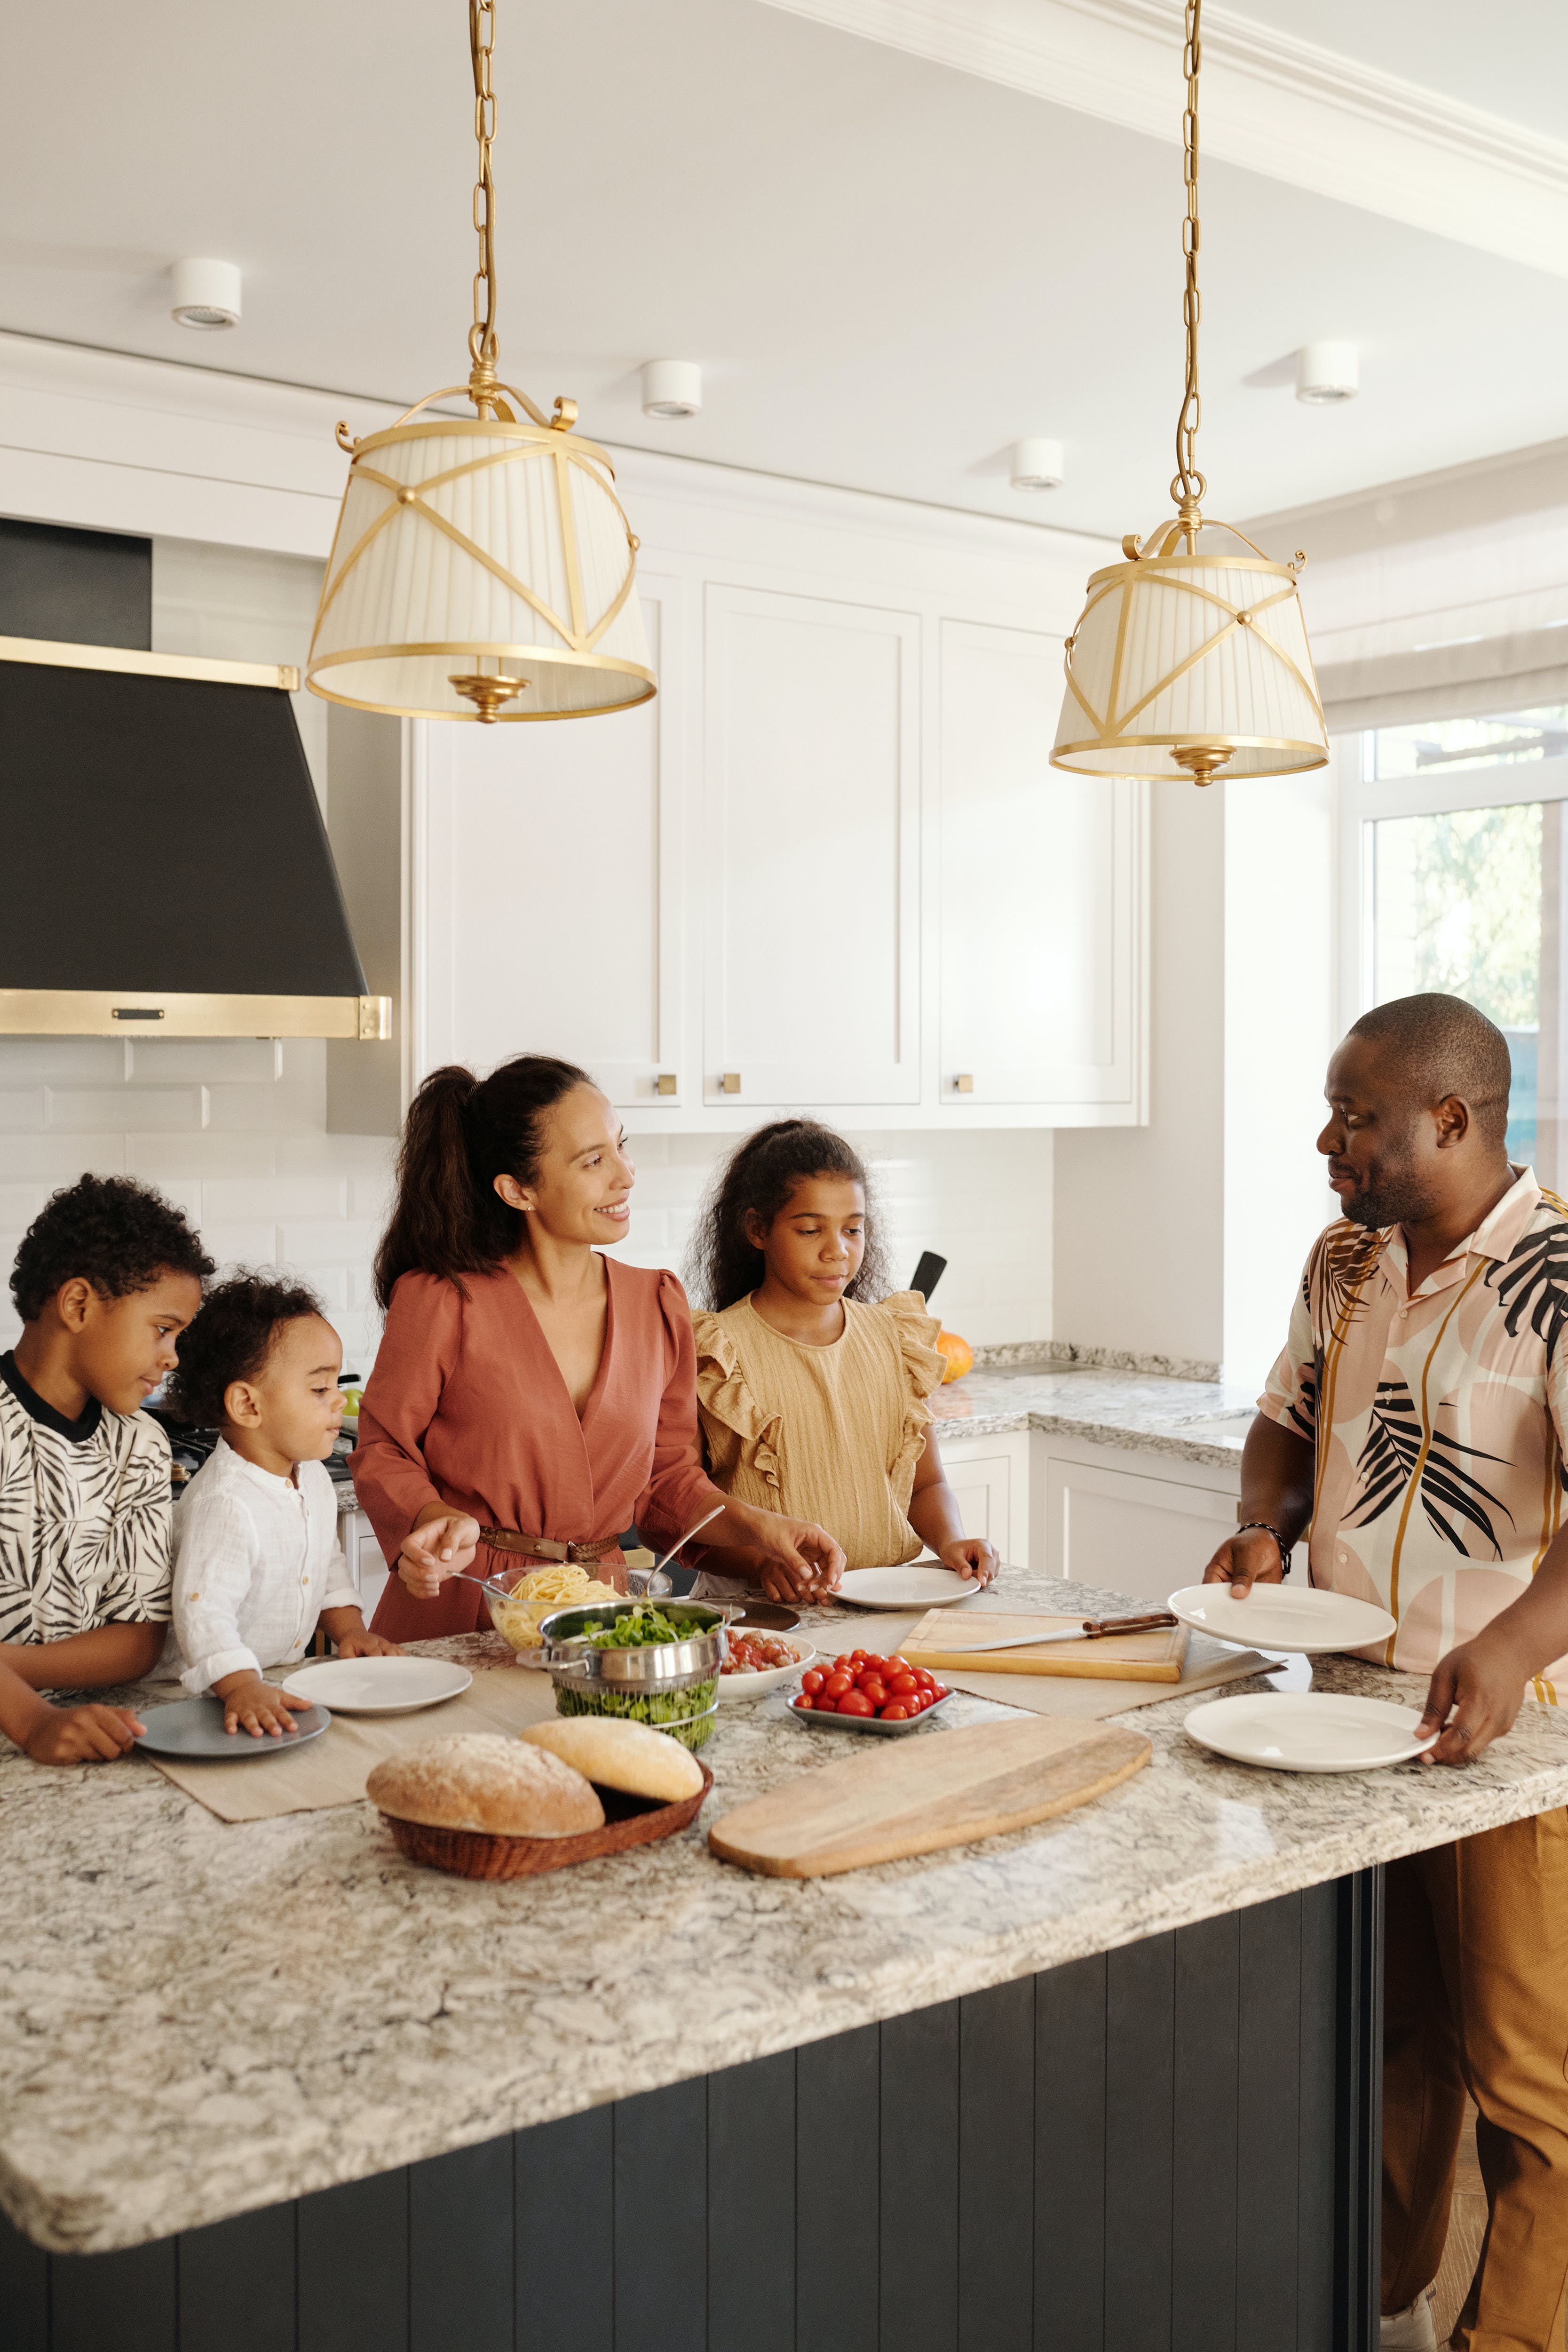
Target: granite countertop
198,2018
1197,1421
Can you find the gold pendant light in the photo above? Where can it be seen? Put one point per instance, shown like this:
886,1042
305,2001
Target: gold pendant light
1191,659
481,567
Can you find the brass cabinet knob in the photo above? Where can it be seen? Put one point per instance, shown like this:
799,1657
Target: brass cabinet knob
730,1082
664,1084
965,1083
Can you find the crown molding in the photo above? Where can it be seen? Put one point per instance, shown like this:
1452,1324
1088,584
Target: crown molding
1271,103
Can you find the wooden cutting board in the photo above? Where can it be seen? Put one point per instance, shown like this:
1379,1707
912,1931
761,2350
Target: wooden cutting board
937,1642
931,1789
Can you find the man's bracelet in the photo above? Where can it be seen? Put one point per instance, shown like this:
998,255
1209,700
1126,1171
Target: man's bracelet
1269,1530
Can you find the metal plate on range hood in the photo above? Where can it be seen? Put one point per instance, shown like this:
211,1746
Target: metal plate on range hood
87,1013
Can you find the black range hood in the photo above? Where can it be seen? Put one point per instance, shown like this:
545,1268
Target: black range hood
164,865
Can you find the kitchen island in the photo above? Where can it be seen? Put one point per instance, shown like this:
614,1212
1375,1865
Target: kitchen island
1110,2081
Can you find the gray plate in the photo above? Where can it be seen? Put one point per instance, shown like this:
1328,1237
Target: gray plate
193,1727
810,1720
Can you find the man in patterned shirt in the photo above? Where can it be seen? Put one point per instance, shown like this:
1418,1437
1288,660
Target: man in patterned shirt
1418,1421
105,1278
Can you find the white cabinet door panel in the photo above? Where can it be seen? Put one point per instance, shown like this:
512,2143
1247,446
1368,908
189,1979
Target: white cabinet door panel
561,934
1143,1537
813,909
1038,888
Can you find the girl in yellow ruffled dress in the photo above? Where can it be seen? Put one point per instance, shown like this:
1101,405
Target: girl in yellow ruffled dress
812,1386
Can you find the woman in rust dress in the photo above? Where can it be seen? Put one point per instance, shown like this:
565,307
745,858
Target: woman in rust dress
531,1400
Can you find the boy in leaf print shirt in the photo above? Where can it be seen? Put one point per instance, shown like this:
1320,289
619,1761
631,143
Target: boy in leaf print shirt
105,1279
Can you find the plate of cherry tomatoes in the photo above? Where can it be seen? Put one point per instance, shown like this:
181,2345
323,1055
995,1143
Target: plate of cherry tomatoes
860,1691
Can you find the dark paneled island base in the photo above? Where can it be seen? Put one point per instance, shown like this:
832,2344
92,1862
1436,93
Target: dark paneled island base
1169,2147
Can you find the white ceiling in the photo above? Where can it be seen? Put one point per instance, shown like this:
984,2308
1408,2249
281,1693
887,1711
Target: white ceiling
888,269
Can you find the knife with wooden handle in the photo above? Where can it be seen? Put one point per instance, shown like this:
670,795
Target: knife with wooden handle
1094,1629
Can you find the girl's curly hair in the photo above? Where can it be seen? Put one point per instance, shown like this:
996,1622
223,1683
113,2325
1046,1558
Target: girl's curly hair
231,1340
758,1179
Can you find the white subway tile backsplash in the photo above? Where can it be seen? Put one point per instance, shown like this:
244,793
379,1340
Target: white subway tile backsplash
126,1110
275,1196
325,1241
252,1240
20,1203
270,1108
212,1059
60,1159
23,1110
168,1158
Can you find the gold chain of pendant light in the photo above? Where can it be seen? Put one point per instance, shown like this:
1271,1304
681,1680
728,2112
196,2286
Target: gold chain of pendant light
482,333
1188,485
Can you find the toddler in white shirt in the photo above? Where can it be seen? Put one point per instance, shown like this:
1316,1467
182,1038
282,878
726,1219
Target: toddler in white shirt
258,1564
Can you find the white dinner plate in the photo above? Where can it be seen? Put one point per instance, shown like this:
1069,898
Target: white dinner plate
921,1585
1309,1731
734,1686
378,1686
1282,1617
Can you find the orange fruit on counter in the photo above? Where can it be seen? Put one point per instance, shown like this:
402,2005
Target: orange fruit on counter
959,1354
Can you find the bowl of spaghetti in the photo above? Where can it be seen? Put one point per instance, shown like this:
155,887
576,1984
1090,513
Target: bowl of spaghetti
518,1611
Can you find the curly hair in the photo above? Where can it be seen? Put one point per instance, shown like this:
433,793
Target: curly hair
758,1181
111,1231
231,1340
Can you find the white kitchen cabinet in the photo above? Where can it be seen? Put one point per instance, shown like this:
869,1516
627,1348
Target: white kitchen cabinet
990,1476
828,868
1139,1523
551,888
812,896
1040,881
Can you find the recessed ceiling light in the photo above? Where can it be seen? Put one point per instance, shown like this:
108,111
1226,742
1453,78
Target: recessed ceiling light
1327,372
1036,464
672,388
206,294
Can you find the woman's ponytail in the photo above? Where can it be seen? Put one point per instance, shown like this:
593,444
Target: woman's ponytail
460,1134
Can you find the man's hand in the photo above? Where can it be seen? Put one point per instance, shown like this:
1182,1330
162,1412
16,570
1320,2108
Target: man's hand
972,1558
82,1734
1249,1558
261,1708
442,1546
1475,1694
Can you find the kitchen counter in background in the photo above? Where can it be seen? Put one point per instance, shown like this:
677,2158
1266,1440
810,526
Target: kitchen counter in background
1192,1421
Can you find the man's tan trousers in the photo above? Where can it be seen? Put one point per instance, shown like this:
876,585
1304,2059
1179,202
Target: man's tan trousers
1477,1997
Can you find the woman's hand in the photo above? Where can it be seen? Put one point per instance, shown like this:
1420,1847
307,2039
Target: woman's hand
1476,1694
440,1544
261,1708
800,1562
82,1734
973,1558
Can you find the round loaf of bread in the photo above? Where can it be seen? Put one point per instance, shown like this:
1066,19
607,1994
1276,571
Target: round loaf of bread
485,1782
628,1755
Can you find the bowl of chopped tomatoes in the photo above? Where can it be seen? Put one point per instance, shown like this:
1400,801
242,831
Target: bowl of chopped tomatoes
862,1692
760,1662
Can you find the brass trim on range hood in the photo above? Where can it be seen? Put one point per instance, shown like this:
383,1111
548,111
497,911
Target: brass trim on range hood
172,1012
132,1013
54,655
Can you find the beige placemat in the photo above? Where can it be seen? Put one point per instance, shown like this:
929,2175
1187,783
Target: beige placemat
1208,1663
331,1770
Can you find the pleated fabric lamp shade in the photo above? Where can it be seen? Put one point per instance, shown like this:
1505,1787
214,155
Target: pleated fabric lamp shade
1188,663
473,555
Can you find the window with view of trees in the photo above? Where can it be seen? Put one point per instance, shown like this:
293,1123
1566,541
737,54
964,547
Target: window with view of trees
1471,901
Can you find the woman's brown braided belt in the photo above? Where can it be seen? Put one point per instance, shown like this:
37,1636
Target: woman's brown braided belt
545,1548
